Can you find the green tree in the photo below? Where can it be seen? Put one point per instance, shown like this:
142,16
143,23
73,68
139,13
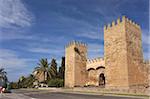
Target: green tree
21,82
29,81
56,82
43,68
53,68
61,72
26,82
13,85
3,77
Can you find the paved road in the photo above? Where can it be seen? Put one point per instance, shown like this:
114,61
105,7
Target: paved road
22,94
59,95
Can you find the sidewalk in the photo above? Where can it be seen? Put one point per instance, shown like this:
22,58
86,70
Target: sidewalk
14,96
108,94
95,92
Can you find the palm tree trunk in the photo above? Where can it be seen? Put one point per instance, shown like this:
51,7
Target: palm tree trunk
45,76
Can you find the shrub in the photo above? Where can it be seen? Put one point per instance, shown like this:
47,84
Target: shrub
56,82
13,85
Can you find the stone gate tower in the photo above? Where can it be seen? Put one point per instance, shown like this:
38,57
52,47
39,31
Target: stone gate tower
123,54
75,65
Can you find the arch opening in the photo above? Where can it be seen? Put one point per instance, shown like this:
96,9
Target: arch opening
102,79
100,67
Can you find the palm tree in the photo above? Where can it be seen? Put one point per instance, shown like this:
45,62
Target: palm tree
43,68
3,77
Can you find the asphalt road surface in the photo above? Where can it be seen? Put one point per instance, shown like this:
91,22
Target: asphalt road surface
56,95
36,94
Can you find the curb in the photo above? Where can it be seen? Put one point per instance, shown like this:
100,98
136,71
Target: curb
106,94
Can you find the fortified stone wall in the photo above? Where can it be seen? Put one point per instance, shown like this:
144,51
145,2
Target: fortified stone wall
136,72
115,55
94,68
148,90
123,54
95,63
122,66
75,68
146,70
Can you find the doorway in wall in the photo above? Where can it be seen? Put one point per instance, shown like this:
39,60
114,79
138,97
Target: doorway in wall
102,79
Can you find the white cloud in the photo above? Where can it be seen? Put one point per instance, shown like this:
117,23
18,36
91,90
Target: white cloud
45,50
94,47
10,60
95,50
14,65
39,50
146,37
14,13
90,35
15,35
84,28
45,45
147,55
146,43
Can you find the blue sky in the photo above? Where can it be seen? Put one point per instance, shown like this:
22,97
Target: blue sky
34,29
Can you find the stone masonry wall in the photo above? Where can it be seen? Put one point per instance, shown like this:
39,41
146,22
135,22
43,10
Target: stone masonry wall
137,76
94,68
122,65
69,66
75,68
115,55
95,63
123,55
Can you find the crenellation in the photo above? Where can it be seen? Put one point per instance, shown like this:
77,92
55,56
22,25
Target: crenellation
122,64
118,22
131,22
105,27
137,25
128,60
124,18
127,19
77,43
109,25
98,59
75,68
113,23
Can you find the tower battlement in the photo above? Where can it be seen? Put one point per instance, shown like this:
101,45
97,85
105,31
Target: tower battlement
119,21
75,64
95,63
98,59
123,54
122,66
77,43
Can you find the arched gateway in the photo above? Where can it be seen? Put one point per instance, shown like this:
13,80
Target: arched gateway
102,79
94,68
122,61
